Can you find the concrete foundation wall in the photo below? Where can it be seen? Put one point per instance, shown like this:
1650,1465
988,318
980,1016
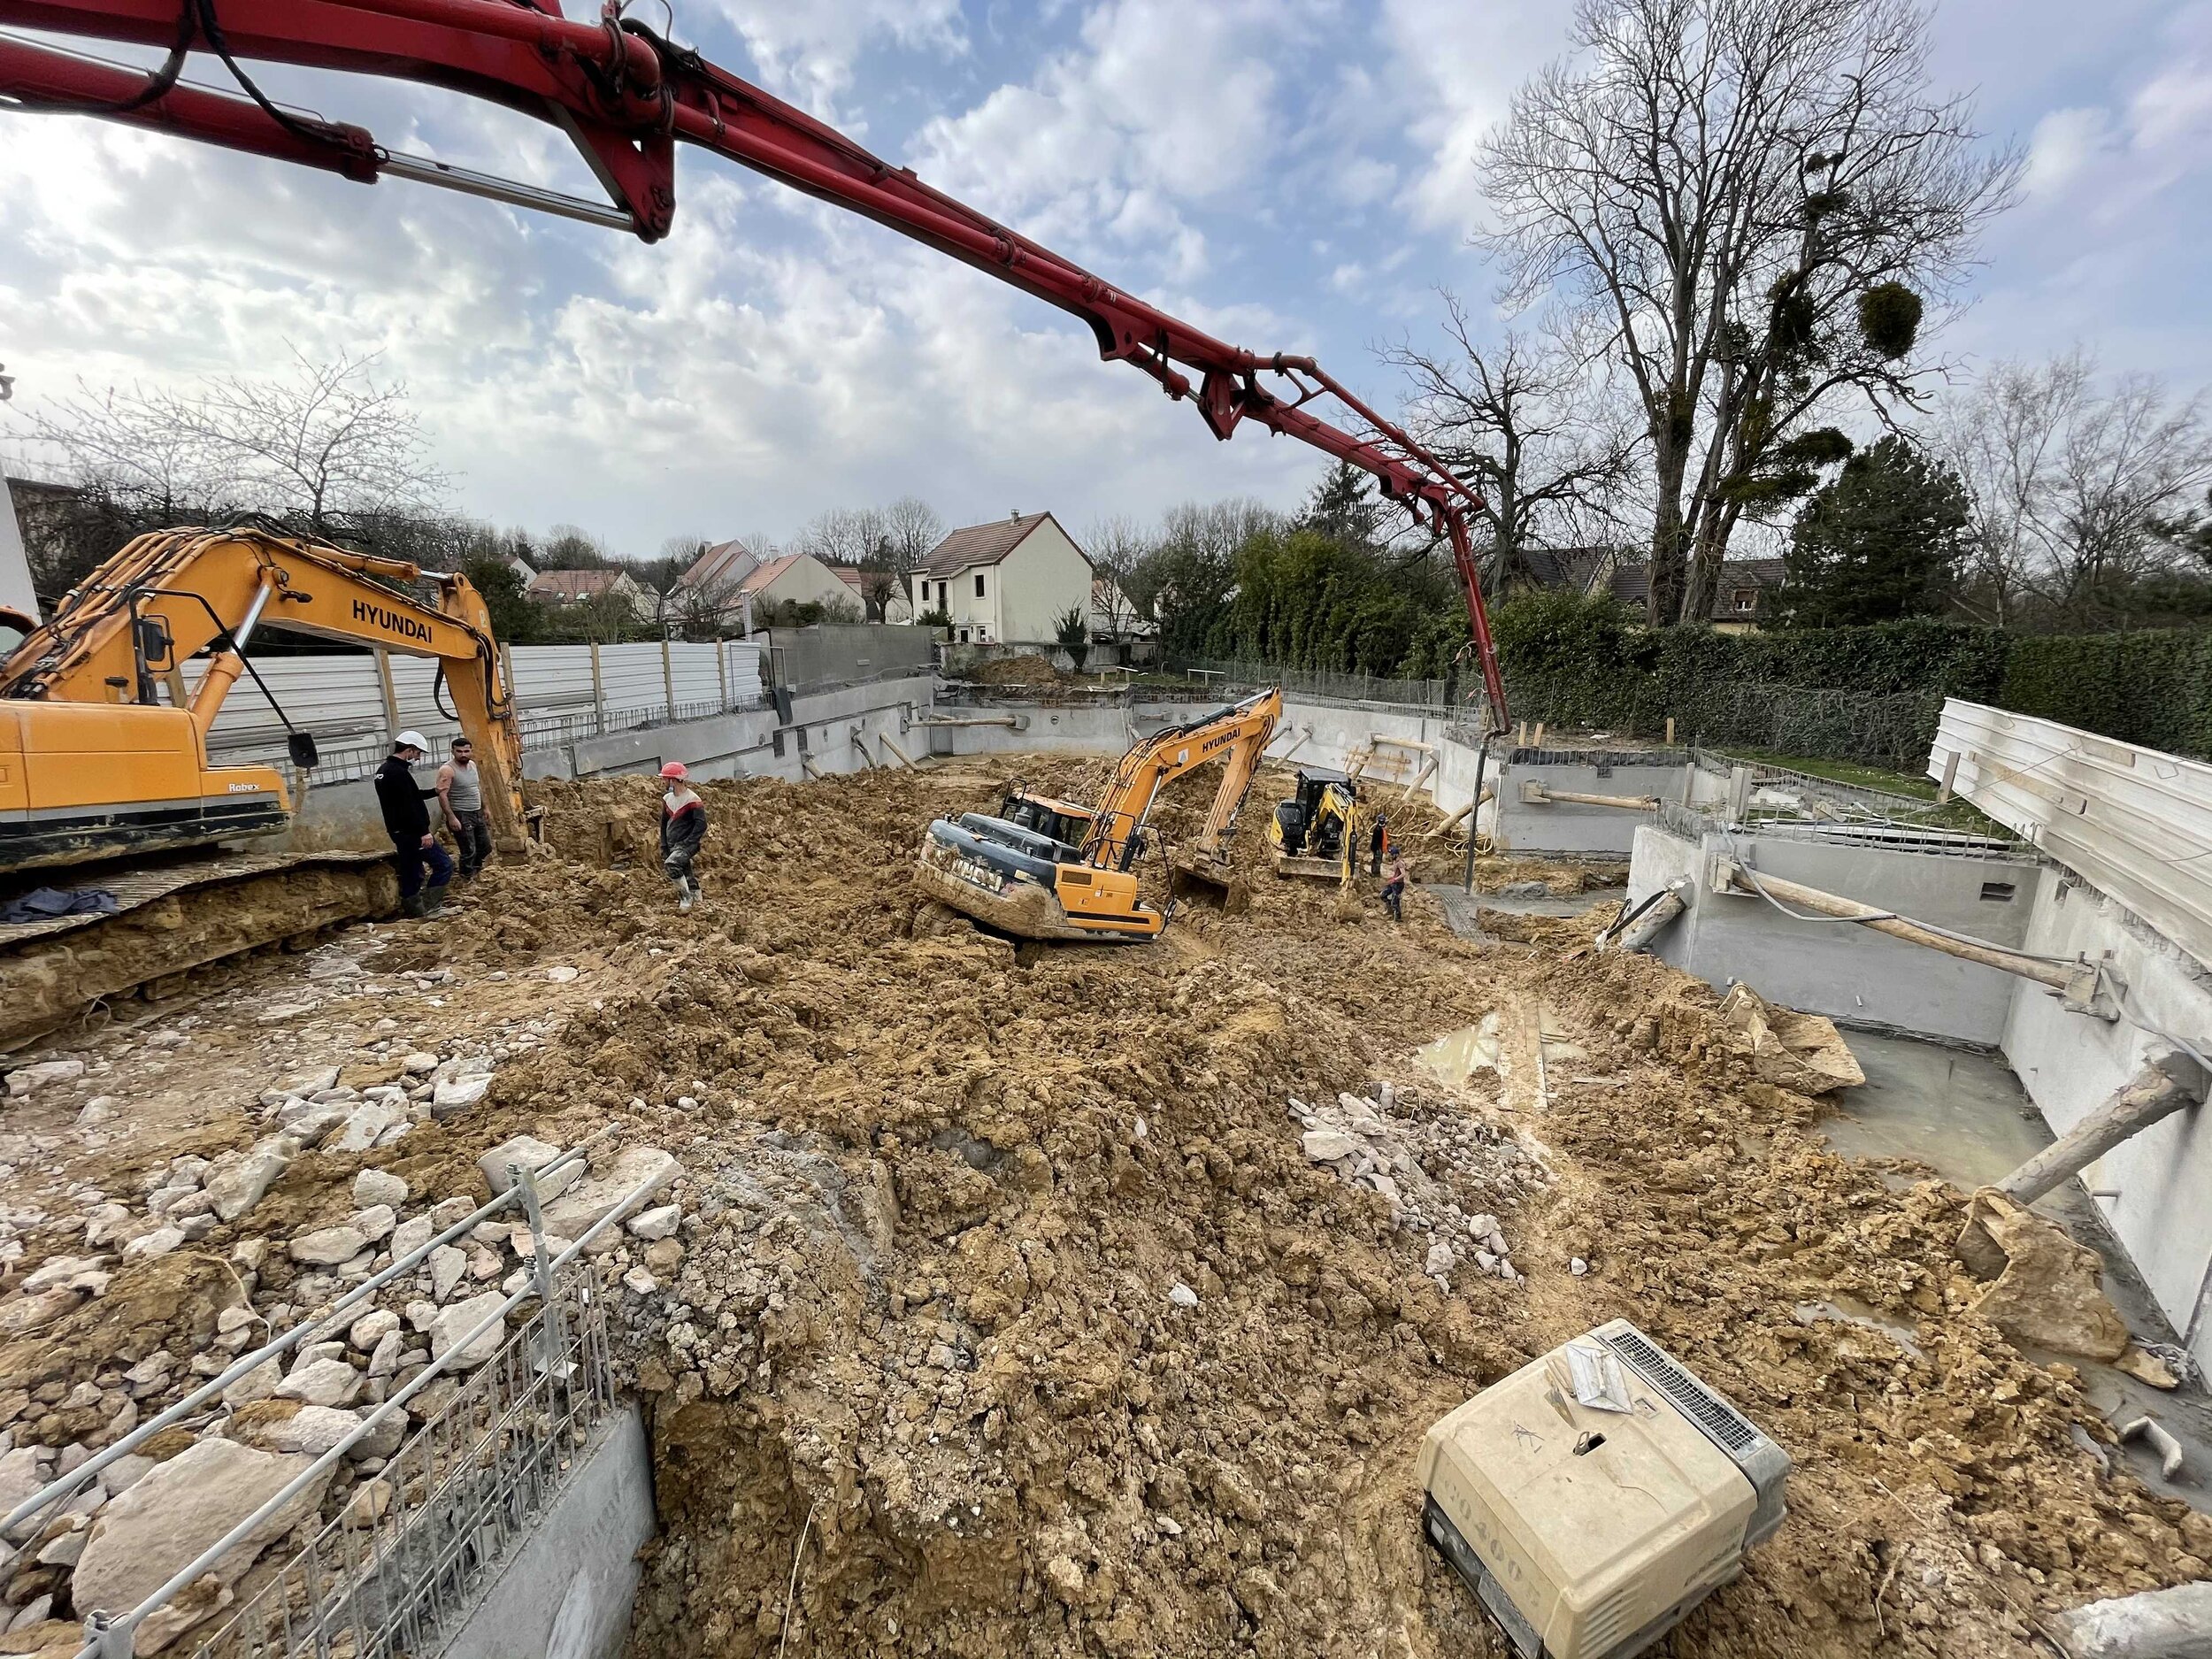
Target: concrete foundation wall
565,1591
1851,975
1569,827
2070,1064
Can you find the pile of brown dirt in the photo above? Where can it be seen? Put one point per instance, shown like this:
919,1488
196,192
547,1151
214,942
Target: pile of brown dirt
1013,1315
932,1332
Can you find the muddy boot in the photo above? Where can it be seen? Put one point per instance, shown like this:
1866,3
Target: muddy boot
434,902
687,893
411,906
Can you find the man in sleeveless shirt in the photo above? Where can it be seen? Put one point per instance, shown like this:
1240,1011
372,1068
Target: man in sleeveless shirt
461,798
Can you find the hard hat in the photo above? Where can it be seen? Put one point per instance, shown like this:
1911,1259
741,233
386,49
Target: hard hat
412,739
674,769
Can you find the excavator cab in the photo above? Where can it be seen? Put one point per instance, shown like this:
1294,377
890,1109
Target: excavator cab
1064,824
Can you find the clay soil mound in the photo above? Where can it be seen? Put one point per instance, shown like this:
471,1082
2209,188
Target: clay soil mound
924,1344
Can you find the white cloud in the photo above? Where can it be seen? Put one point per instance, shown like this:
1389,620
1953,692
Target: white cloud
1455,79
2065,142
805,50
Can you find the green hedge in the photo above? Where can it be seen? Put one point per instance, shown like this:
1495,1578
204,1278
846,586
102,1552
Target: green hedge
1871,695
2154,687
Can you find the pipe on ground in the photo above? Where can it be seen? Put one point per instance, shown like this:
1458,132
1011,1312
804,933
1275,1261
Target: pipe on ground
1654,921
1534,794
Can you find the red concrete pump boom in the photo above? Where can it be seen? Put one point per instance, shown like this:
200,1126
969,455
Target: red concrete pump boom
627,95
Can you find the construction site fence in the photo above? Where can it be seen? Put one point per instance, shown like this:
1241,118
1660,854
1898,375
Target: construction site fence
354,704
1206,673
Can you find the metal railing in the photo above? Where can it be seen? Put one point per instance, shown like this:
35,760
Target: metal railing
1239,676
109,1636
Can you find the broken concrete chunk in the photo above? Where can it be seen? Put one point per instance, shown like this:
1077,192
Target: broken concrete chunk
375,1187
411,1235
532,1153
310,1432
362,1127
27,1080
448,1268
1326,1146
655,1224
375,1224
322,1382
240,1180
328,1247
2050,1290
454,1324
457,1094
160,1242
589,1202
372,1328
179,1510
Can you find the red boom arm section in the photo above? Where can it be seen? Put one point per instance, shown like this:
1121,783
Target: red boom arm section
627,95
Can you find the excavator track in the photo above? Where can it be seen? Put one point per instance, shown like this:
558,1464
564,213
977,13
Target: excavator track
171,918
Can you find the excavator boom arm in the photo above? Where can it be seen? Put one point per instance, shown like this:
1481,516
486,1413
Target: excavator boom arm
627,95
1238,734
168,595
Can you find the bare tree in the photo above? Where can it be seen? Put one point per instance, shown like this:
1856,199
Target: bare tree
139,446
2074,483
330,447
914,529
1118,545
845,535
1547,452
1752,201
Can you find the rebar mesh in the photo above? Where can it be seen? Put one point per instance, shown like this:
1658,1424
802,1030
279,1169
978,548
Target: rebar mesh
389,1578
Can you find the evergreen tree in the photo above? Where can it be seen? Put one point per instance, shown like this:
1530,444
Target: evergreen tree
1878,542
1342,506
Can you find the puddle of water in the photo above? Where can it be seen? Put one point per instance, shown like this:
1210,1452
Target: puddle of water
1458,1054
1851,1311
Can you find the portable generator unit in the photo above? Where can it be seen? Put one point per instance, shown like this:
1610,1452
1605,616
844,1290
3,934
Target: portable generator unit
1597,1495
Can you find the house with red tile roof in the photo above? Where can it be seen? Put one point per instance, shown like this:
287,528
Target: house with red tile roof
1008,581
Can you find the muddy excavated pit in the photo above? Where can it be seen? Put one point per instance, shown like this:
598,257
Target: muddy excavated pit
1068,1300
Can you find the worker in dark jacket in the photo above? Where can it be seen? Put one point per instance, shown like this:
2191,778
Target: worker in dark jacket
683,830
407,821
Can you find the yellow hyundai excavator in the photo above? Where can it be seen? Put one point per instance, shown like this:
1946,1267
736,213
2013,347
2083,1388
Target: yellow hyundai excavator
104,766
1047,869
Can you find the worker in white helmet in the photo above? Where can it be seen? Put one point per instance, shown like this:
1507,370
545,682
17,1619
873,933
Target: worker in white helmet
415,849
683,830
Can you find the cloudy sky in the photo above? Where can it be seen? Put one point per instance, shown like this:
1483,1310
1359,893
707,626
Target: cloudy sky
1292,174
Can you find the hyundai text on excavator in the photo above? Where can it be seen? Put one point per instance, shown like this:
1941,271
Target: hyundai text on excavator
105,765
1045,869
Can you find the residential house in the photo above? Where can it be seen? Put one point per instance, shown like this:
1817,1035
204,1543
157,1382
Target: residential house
1006,582
561,590
778,586
708,593
883,584
1742,601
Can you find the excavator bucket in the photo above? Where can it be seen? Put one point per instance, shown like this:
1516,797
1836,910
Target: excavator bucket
1197,874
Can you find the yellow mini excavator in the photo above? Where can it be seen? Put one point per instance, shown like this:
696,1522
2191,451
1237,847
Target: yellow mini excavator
1047,869
104,766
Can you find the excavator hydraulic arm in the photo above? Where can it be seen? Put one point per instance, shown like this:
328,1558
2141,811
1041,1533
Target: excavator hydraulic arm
1238,734
627,96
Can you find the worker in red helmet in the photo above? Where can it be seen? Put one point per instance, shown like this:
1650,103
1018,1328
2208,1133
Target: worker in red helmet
683,830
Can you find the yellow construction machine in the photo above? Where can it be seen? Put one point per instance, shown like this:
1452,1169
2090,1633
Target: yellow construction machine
1048,868
105,765
1316,832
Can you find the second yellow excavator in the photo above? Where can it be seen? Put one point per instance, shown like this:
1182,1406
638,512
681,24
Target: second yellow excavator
1048,868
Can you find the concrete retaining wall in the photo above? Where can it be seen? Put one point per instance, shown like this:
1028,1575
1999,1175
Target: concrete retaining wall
1852,974
2070,1064
565,1591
